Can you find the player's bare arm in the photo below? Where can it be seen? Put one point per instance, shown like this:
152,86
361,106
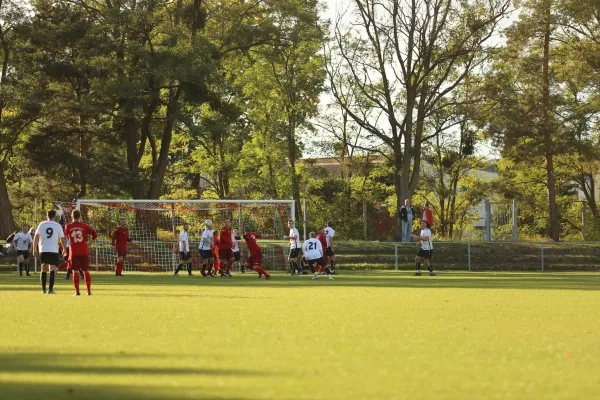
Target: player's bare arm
36,241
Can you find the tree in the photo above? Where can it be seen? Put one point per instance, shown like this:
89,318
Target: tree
402,58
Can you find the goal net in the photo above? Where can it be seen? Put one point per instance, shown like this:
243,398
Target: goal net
154,227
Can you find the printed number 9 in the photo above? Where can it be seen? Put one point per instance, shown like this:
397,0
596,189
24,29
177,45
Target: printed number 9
49,232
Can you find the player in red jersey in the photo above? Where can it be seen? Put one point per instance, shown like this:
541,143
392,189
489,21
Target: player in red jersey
225,249
120,238
79,255
217,265
254,261
323,239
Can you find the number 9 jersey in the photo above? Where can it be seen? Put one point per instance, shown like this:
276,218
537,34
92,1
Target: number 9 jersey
50,233
77,233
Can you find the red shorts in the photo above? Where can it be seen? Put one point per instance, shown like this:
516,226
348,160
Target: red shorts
79,262
121,252
225,254
255,259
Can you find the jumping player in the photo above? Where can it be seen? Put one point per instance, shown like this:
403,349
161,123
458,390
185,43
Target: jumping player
22,242
323,239
48,236
425,249
313,251
254,260
294,238
120,238
329,233
79,258
205,246
225,249
185,255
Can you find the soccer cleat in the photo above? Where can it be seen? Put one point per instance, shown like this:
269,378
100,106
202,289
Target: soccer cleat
268,277
175,274
51,292
76,294
89,293
432,273
44,291
330,277
28,274
316,276
204,274
68,277
418,273
190,274
259,275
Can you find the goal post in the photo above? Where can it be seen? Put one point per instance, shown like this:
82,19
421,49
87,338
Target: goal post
154,227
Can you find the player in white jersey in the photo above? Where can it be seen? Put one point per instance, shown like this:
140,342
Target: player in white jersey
313,252
329,233
48,237
235,248
22,242
294,238
206,245
425,249
185,255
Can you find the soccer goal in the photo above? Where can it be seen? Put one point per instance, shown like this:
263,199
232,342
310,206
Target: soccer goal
154,227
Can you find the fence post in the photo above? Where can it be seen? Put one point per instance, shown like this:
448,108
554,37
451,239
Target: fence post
396,253
542,257
96,251
514,221
469,254
488,221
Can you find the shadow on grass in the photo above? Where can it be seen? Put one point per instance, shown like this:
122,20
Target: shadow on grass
71,380
384,279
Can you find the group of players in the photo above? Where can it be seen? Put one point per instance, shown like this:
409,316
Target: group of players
220,249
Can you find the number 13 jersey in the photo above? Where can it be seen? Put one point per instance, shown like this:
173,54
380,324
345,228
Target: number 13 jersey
77,233
50,233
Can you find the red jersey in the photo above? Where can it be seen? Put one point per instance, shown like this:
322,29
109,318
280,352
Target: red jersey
77,233
250,238
322,239
120,237
226,242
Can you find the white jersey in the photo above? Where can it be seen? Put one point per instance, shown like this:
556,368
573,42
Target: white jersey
312,249
329,233
22,241
50,233
294,243
184,244
206,240
235,244
427,243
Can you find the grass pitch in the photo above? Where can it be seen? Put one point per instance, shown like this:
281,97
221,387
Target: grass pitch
385,335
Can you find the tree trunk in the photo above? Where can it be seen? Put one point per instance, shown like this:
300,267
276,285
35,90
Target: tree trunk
158,171
7,222
548,130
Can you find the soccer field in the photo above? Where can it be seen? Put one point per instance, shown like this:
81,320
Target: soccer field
385,335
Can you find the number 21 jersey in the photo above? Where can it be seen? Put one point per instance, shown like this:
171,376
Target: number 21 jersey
77,233
50,233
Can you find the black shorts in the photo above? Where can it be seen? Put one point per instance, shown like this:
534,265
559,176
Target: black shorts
329,252
185,256
236,255
319,261
425,254
24,253
206,254
49,258
294,253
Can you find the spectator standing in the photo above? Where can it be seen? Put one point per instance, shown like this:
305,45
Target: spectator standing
407,215
427,215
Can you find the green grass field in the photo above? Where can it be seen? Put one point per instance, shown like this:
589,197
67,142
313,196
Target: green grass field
381,335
